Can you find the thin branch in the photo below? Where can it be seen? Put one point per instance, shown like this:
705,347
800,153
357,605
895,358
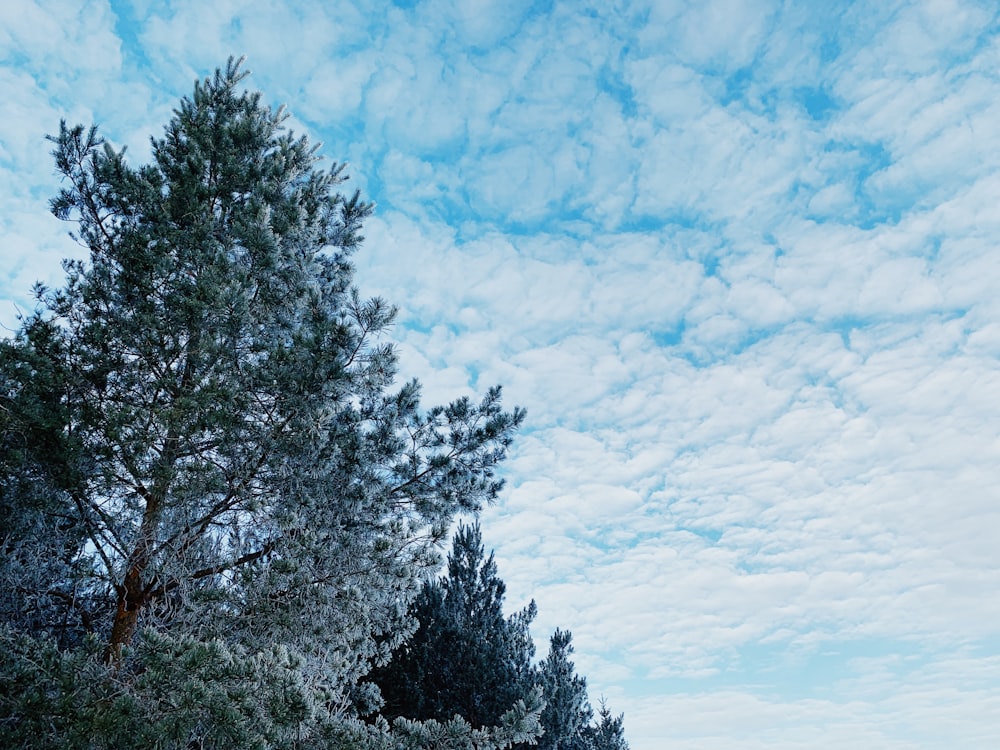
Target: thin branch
93,538
213,570
198,527
71,599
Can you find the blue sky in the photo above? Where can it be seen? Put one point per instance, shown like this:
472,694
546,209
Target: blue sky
737,259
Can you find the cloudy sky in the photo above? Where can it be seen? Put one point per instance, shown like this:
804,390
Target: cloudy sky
738,260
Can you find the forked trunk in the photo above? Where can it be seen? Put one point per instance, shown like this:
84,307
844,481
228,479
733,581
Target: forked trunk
130,602
131,594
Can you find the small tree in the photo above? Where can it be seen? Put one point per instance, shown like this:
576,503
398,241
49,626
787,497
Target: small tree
608,733
567,710
465,656
203,443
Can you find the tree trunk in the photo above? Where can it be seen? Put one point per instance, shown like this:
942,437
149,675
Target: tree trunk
131,594
130,601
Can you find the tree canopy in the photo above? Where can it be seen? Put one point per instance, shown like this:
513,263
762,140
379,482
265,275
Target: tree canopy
204,442
220,511
465,657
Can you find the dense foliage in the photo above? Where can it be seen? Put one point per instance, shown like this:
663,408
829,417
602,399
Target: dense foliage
567,712
466,658
216,505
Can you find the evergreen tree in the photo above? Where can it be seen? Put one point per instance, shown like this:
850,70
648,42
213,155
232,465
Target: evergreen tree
40,538
608,733
216,506
465,657
567,710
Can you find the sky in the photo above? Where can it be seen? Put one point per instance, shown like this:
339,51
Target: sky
736,258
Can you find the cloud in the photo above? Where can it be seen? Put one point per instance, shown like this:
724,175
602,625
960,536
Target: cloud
55,63
737,259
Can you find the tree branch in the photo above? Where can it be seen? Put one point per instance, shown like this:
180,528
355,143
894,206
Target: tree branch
213,570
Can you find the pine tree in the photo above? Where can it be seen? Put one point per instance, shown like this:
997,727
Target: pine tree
567,710
608,733
40,539
465,657
202,440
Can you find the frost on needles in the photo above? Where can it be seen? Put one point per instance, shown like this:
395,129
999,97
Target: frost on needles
217,503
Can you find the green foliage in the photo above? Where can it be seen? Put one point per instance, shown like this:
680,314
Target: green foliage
608,733
185,693
567,710
465,657
41,539
216,503
168,693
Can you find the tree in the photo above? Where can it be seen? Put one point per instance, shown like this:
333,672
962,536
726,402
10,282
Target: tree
567,710
465,656
203,438
608,733
40,539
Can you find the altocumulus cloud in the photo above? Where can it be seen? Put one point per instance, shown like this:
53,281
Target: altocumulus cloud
737,259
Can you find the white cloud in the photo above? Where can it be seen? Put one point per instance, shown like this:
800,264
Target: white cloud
737,259
57,63
718,34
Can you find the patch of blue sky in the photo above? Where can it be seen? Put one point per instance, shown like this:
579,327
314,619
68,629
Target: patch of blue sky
845,326
743,93
722,154
829,48
824,668
670,336
705,352
696,357
671,219
845,195
611,80
707,533
736,85
17,59
552,217
819,102
762,671
751,336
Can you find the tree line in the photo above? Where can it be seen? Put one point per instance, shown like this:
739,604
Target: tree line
221,514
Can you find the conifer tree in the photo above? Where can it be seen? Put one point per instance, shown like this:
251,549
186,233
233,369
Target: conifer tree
216,504
465,657
608,733
567,710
